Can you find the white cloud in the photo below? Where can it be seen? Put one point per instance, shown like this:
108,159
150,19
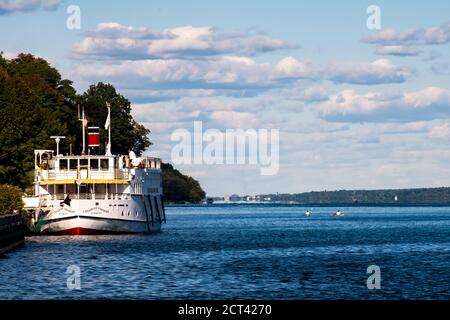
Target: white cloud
377,72
114,41
427,104
163,113
235,73
234,119
205,60
434,35
290,67
300,92
148,95
440,131
314,94
210,110
219,72
11,6
401,51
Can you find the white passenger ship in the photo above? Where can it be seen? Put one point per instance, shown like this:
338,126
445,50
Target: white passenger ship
96,194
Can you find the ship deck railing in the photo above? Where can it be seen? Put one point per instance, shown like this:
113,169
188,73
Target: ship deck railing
84,196
87,177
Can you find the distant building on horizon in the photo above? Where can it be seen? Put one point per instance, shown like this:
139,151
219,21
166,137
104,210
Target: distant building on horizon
235,198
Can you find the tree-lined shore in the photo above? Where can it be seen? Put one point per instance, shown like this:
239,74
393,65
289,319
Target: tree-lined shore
418,196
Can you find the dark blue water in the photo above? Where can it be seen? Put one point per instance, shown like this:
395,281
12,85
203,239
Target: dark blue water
246,252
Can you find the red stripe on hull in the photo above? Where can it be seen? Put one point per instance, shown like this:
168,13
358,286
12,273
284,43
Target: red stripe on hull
84,232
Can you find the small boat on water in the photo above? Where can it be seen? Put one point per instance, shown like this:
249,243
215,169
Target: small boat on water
308,213
338,213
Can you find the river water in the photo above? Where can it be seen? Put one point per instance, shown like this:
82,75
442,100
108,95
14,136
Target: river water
245,252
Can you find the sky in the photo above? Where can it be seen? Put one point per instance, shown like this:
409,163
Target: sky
356,107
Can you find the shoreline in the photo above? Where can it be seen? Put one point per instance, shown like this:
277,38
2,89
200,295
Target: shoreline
12,232
315,205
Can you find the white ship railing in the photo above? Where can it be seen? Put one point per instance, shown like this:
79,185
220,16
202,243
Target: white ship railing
84,196
118,174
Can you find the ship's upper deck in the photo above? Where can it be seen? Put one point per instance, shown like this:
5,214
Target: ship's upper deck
65,169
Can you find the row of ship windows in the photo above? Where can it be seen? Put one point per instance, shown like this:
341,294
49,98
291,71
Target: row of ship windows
93,164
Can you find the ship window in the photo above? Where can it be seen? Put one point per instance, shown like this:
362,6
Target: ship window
63,165
73,164
104,164
94,164
84,162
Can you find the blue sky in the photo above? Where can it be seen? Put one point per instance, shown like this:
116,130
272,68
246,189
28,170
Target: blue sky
356,108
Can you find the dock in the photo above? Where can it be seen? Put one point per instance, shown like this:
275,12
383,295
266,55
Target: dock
12,232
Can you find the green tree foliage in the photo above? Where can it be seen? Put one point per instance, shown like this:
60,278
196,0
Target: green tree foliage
32,109
180,188
126,133
10,199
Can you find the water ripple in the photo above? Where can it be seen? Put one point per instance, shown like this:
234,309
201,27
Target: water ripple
245,252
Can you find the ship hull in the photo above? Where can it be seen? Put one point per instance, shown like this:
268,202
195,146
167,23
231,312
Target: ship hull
80,225
137,214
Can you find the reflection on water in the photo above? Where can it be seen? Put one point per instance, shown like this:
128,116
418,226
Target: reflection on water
246,251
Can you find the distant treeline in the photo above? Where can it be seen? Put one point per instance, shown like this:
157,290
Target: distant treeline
422,196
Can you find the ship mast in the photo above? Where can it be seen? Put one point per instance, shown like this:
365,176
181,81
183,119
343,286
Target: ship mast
57,140
108,127
83,125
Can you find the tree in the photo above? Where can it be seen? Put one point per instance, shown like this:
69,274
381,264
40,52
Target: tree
31,108
126,133
180,188
10,199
